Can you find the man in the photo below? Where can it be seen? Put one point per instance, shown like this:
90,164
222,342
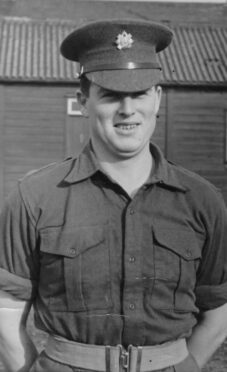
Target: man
122,254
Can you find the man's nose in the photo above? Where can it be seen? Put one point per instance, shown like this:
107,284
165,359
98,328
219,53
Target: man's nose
127,106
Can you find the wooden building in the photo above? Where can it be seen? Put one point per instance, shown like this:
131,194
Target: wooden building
39,117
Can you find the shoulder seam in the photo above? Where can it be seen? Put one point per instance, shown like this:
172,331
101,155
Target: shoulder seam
35,171
195,176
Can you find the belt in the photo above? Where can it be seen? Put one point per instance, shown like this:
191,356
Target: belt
116,358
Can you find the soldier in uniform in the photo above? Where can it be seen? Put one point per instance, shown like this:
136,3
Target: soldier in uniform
121,253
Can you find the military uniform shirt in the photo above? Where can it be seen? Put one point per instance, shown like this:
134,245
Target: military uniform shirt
104,268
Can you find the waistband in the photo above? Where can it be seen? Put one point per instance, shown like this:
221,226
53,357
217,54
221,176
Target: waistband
116,358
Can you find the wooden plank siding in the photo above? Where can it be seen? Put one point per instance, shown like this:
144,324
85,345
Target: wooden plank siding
198,133
33,129
159,136
2,115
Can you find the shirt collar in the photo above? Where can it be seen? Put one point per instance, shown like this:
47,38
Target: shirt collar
163,172
86,165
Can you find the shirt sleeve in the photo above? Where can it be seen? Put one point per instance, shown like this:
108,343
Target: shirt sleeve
19,261
211,289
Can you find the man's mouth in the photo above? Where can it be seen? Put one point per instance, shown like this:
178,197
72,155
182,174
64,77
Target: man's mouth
126,126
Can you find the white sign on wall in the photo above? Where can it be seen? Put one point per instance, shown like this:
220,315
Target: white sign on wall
73,107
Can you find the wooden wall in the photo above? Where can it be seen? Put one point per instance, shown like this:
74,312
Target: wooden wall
32,129
191,130
197,132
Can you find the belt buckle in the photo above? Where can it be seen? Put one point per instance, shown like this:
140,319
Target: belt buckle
125,357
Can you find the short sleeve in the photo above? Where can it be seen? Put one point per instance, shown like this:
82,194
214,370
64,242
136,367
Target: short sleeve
19,261
211,289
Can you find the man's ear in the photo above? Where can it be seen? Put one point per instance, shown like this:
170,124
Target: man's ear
158,91
82,100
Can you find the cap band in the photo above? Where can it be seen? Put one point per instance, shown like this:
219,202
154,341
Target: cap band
120,66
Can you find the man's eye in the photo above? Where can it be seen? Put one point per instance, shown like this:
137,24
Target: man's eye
107,94
110,95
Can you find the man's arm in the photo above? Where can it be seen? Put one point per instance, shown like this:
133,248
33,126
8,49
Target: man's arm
17,352
208,334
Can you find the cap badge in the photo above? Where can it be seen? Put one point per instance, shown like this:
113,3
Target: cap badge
124,40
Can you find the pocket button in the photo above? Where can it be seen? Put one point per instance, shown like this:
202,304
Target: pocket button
73,251
188,253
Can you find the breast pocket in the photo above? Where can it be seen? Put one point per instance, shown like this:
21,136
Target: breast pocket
177,255
75,268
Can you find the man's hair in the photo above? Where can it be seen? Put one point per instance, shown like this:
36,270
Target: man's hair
85,85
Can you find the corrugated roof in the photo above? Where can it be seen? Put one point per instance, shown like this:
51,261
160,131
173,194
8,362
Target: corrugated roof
198,54
29,51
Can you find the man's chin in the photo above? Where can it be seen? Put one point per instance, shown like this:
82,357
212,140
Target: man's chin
127,152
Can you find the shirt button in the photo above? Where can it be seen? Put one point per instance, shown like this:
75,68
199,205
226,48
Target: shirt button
131,211
132,259
72,251
131,306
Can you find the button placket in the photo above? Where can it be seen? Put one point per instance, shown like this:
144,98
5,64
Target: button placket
130,260
133,291
130,242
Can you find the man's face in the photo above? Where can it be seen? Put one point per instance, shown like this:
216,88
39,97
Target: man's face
121,124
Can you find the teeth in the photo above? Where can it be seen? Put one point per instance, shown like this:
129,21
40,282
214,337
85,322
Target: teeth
127,127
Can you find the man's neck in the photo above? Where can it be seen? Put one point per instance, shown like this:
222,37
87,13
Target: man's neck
129,173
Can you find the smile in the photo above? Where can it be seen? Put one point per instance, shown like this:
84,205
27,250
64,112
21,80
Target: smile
126,126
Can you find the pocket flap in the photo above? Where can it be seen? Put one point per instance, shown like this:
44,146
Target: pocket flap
71,242
182,242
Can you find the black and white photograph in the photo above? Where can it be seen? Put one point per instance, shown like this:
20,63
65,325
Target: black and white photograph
113,186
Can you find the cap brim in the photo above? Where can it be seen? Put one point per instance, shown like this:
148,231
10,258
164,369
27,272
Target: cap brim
126,80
